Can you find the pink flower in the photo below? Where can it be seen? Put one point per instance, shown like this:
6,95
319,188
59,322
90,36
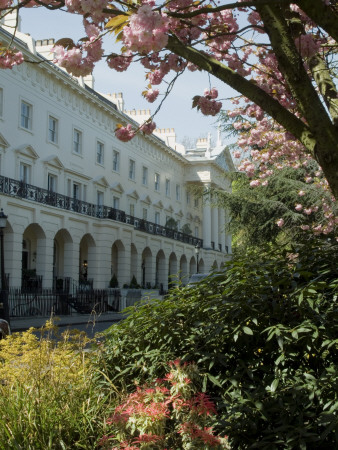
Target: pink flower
237,154
147,31
298,207
255,183
151,95
148,127
301,193
9,58
124,134
280,223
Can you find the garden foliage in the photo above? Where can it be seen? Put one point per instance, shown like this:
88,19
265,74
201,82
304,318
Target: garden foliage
167,413
264,335
48,398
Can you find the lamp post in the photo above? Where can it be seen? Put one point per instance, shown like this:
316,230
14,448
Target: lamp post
197,251
3,294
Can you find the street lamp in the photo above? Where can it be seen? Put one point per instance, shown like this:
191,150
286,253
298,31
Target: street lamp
197,251
3,293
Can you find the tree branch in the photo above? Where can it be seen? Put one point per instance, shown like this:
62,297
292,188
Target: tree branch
325,16
247,88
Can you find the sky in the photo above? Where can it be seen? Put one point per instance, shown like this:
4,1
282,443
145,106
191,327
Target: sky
176,112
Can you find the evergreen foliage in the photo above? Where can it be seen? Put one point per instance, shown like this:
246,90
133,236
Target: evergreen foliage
254,211
114,282
264,336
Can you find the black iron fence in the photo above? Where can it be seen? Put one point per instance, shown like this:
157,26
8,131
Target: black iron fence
16,188
46,302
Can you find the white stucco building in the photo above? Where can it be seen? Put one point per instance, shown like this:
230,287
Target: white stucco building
82,203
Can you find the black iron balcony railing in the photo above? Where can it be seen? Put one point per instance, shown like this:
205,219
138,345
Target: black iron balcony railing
27,191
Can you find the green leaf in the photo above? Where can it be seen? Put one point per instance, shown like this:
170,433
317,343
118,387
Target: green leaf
214,380
274,385
247,330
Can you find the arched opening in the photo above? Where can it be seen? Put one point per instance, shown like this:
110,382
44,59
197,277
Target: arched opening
192,266
62,260
147,269
33,257
160,272
118,252
87,260
183,273
172,270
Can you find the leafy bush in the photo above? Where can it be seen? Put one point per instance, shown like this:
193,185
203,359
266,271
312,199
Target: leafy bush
264,336
168,413
48,395
134,284
113,282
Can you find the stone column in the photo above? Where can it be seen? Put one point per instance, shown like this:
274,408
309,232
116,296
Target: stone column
102,264
222,232
13,256
44,259
206,223
214,226
123,266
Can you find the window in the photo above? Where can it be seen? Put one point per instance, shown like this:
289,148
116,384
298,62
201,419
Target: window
131,169
167,187
196,202
157,181
178,192
145,176
188,198
76,191
77,141
116,161
144,214
132,210
26,115
99,198
52,182
178,222
116,203
25,173
157,218
52,129
99,153
196,232
1,102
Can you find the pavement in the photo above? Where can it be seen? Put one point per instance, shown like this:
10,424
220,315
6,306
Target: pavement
24,323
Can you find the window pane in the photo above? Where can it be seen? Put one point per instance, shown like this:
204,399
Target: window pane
131,169
77,141
116,161
24,173
26,113
145,176
99,152
52,129
51,182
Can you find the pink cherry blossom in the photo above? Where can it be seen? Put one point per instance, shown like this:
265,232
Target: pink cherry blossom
151,95
148,127
10,58
147,31
280,223
125,134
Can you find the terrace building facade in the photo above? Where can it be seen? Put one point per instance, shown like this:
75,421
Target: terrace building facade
82,205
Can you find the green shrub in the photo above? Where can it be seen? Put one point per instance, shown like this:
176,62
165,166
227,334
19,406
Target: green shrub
264,336
113,282
48,394
134,284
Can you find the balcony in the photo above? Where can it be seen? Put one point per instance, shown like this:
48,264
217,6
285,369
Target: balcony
18,189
